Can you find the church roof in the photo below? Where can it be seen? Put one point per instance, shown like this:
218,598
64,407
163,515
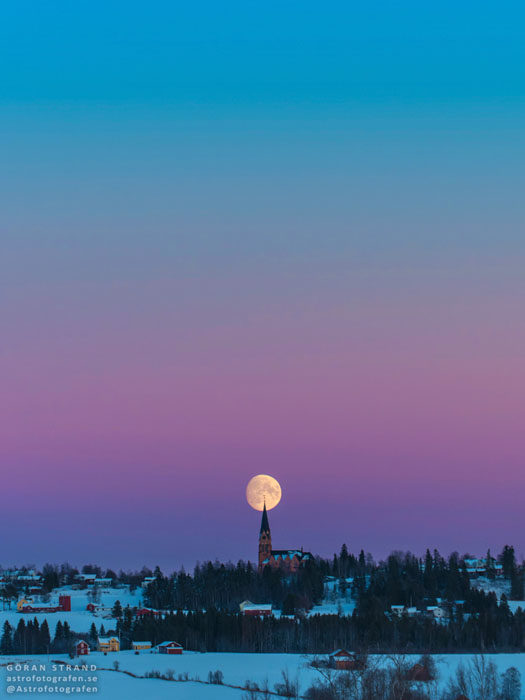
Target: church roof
290,554
265,525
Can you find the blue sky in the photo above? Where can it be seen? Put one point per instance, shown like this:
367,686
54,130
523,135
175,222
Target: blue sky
242,237
272,53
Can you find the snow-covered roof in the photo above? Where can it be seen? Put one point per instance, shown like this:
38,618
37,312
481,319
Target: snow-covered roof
341,652
290,554
261,606
166,644
107,640
44,606
140,643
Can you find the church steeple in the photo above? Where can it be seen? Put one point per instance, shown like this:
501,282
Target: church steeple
265,539
265,525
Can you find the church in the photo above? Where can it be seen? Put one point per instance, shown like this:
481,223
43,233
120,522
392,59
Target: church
288,560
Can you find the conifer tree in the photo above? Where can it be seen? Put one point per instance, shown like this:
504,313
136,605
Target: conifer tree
6,643
93,634
19,638
117,610
59,632
44,638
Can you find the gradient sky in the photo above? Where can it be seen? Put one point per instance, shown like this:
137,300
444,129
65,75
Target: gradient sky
239,238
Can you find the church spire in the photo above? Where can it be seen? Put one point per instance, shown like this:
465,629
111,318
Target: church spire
265,525
265,540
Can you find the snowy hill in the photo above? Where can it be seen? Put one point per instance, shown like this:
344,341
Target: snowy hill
79,618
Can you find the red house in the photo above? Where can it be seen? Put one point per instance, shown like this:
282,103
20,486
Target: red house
146,612
342,660
256,609
170,648
81,648
91,607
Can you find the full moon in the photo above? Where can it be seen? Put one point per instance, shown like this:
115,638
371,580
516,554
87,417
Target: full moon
263,488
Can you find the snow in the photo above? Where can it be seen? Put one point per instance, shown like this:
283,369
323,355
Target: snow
79,619
499,587
341,606
236,669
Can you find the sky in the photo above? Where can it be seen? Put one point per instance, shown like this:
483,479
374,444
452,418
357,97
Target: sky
242,238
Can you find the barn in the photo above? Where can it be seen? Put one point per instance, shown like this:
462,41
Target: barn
81,648
146,612
342,660
256,609
170,648
136,646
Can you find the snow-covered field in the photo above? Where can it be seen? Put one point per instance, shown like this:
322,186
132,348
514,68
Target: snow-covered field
236,669
79,619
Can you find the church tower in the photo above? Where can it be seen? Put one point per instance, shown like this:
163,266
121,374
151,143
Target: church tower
265,539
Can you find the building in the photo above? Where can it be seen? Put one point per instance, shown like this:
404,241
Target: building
138,646
28,606
436,611
28,578
288,560
255,609
65,602
108,644
482,566
88,579
170,648
103,582
146,612
81,648
342,660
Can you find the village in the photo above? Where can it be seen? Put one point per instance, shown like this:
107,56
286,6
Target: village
90,597
297,602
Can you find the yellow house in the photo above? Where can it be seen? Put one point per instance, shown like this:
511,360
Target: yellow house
108,644
140,645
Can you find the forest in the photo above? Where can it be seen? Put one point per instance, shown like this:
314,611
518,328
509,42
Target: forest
201,610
